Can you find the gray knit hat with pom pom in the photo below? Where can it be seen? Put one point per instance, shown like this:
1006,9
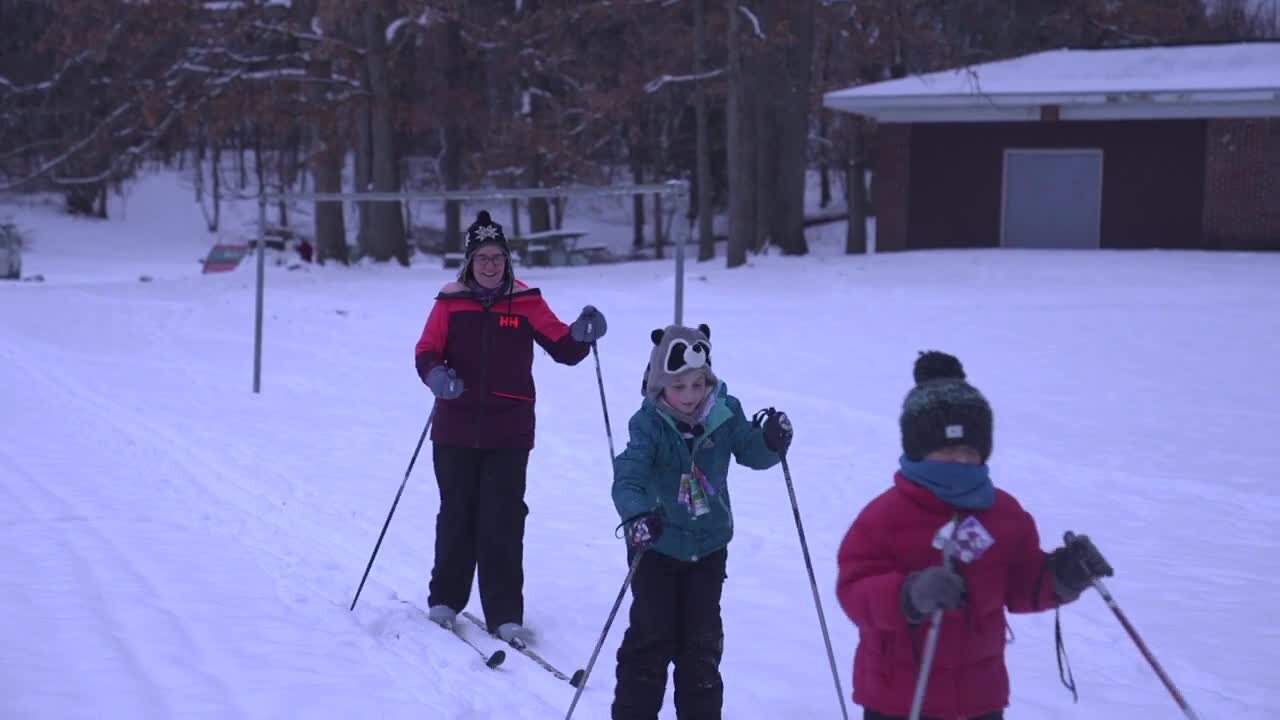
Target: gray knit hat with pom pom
944,410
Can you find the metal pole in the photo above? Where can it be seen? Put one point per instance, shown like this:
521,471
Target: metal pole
262,264
682,207
674,187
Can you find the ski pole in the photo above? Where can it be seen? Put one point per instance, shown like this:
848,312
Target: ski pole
394,503
631,572
1069,538
926,664
813,585
931,640
608,431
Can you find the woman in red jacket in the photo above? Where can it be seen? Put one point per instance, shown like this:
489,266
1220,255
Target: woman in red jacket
476,356
892,577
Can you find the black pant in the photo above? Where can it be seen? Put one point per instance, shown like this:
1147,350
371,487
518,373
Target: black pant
675,617
873,715
480,524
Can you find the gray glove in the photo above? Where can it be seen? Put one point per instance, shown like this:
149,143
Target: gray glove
444,382
590,326
935,588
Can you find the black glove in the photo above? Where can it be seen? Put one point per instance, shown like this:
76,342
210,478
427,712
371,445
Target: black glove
590,325
934,588
642,531
1075,565
777,429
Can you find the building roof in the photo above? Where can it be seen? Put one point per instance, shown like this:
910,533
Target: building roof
1227,80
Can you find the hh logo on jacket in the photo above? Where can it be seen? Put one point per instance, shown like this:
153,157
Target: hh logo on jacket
509,321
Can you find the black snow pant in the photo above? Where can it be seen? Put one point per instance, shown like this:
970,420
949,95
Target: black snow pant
873,715
675,618
480,526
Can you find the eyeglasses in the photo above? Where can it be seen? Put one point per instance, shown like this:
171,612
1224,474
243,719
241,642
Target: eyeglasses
492,260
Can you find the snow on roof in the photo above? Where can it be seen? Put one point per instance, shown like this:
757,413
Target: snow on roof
1193,76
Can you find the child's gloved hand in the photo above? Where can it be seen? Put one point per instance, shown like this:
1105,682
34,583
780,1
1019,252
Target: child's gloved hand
935,588
1075,565
777,429
643,530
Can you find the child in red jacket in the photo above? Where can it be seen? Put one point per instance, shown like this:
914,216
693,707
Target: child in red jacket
892,577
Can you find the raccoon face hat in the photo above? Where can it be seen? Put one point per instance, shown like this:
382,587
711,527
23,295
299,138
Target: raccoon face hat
677,350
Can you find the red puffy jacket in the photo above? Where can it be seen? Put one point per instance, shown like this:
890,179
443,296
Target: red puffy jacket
893,537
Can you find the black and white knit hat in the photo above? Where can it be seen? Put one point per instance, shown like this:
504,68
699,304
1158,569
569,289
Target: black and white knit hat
484,231
944,410
676,350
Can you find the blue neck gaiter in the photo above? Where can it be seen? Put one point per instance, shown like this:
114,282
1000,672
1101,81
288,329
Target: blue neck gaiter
959,485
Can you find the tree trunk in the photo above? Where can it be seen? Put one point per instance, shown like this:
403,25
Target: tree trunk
241,165
824,167
539,211
331,230
706,238
451,178
101,211
326,167
258,165
515,218
856,190
792,117
215,167
637,201
740,131
768,186
387,239
658,239
448,51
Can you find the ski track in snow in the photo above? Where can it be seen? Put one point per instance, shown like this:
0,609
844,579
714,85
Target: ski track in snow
108,573
180,547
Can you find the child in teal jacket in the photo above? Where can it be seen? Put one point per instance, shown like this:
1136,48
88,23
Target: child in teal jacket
670,489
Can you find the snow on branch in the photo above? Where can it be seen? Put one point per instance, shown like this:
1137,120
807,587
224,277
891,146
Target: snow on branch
50,165
755,21
423,21
657,84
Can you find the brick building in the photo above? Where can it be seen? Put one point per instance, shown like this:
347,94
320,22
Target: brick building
1164,147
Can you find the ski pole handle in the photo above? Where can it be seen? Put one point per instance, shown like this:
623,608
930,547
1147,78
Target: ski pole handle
1069,538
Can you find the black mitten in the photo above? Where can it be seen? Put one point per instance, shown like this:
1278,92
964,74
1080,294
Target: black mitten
1075,565
643,530
777,429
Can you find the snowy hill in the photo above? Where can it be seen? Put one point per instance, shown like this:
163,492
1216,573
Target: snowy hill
178,547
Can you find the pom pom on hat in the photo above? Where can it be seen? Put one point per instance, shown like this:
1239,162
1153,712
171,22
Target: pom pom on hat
937,365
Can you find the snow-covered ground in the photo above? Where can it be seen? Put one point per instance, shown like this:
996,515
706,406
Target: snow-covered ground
179,547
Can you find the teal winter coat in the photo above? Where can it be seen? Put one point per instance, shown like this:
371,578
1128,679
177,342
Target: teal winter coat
646,475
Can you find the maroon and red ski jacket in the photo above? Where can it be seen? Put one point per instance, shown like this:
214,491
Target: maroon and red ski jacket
893,537
491,349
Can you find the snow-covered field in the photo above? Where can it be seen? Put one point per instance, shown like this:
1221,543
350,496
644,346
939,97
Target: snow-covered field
176,546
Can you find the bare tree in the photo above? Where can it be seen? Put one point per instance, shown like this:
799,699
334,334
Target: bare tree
706,238
741,140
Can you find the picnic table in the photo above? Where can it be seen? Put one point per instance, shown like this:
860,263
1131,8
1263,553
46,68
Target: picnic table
551,248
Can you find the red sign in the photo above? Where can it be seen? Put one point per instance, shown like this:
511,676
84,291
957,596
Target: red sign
225,258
